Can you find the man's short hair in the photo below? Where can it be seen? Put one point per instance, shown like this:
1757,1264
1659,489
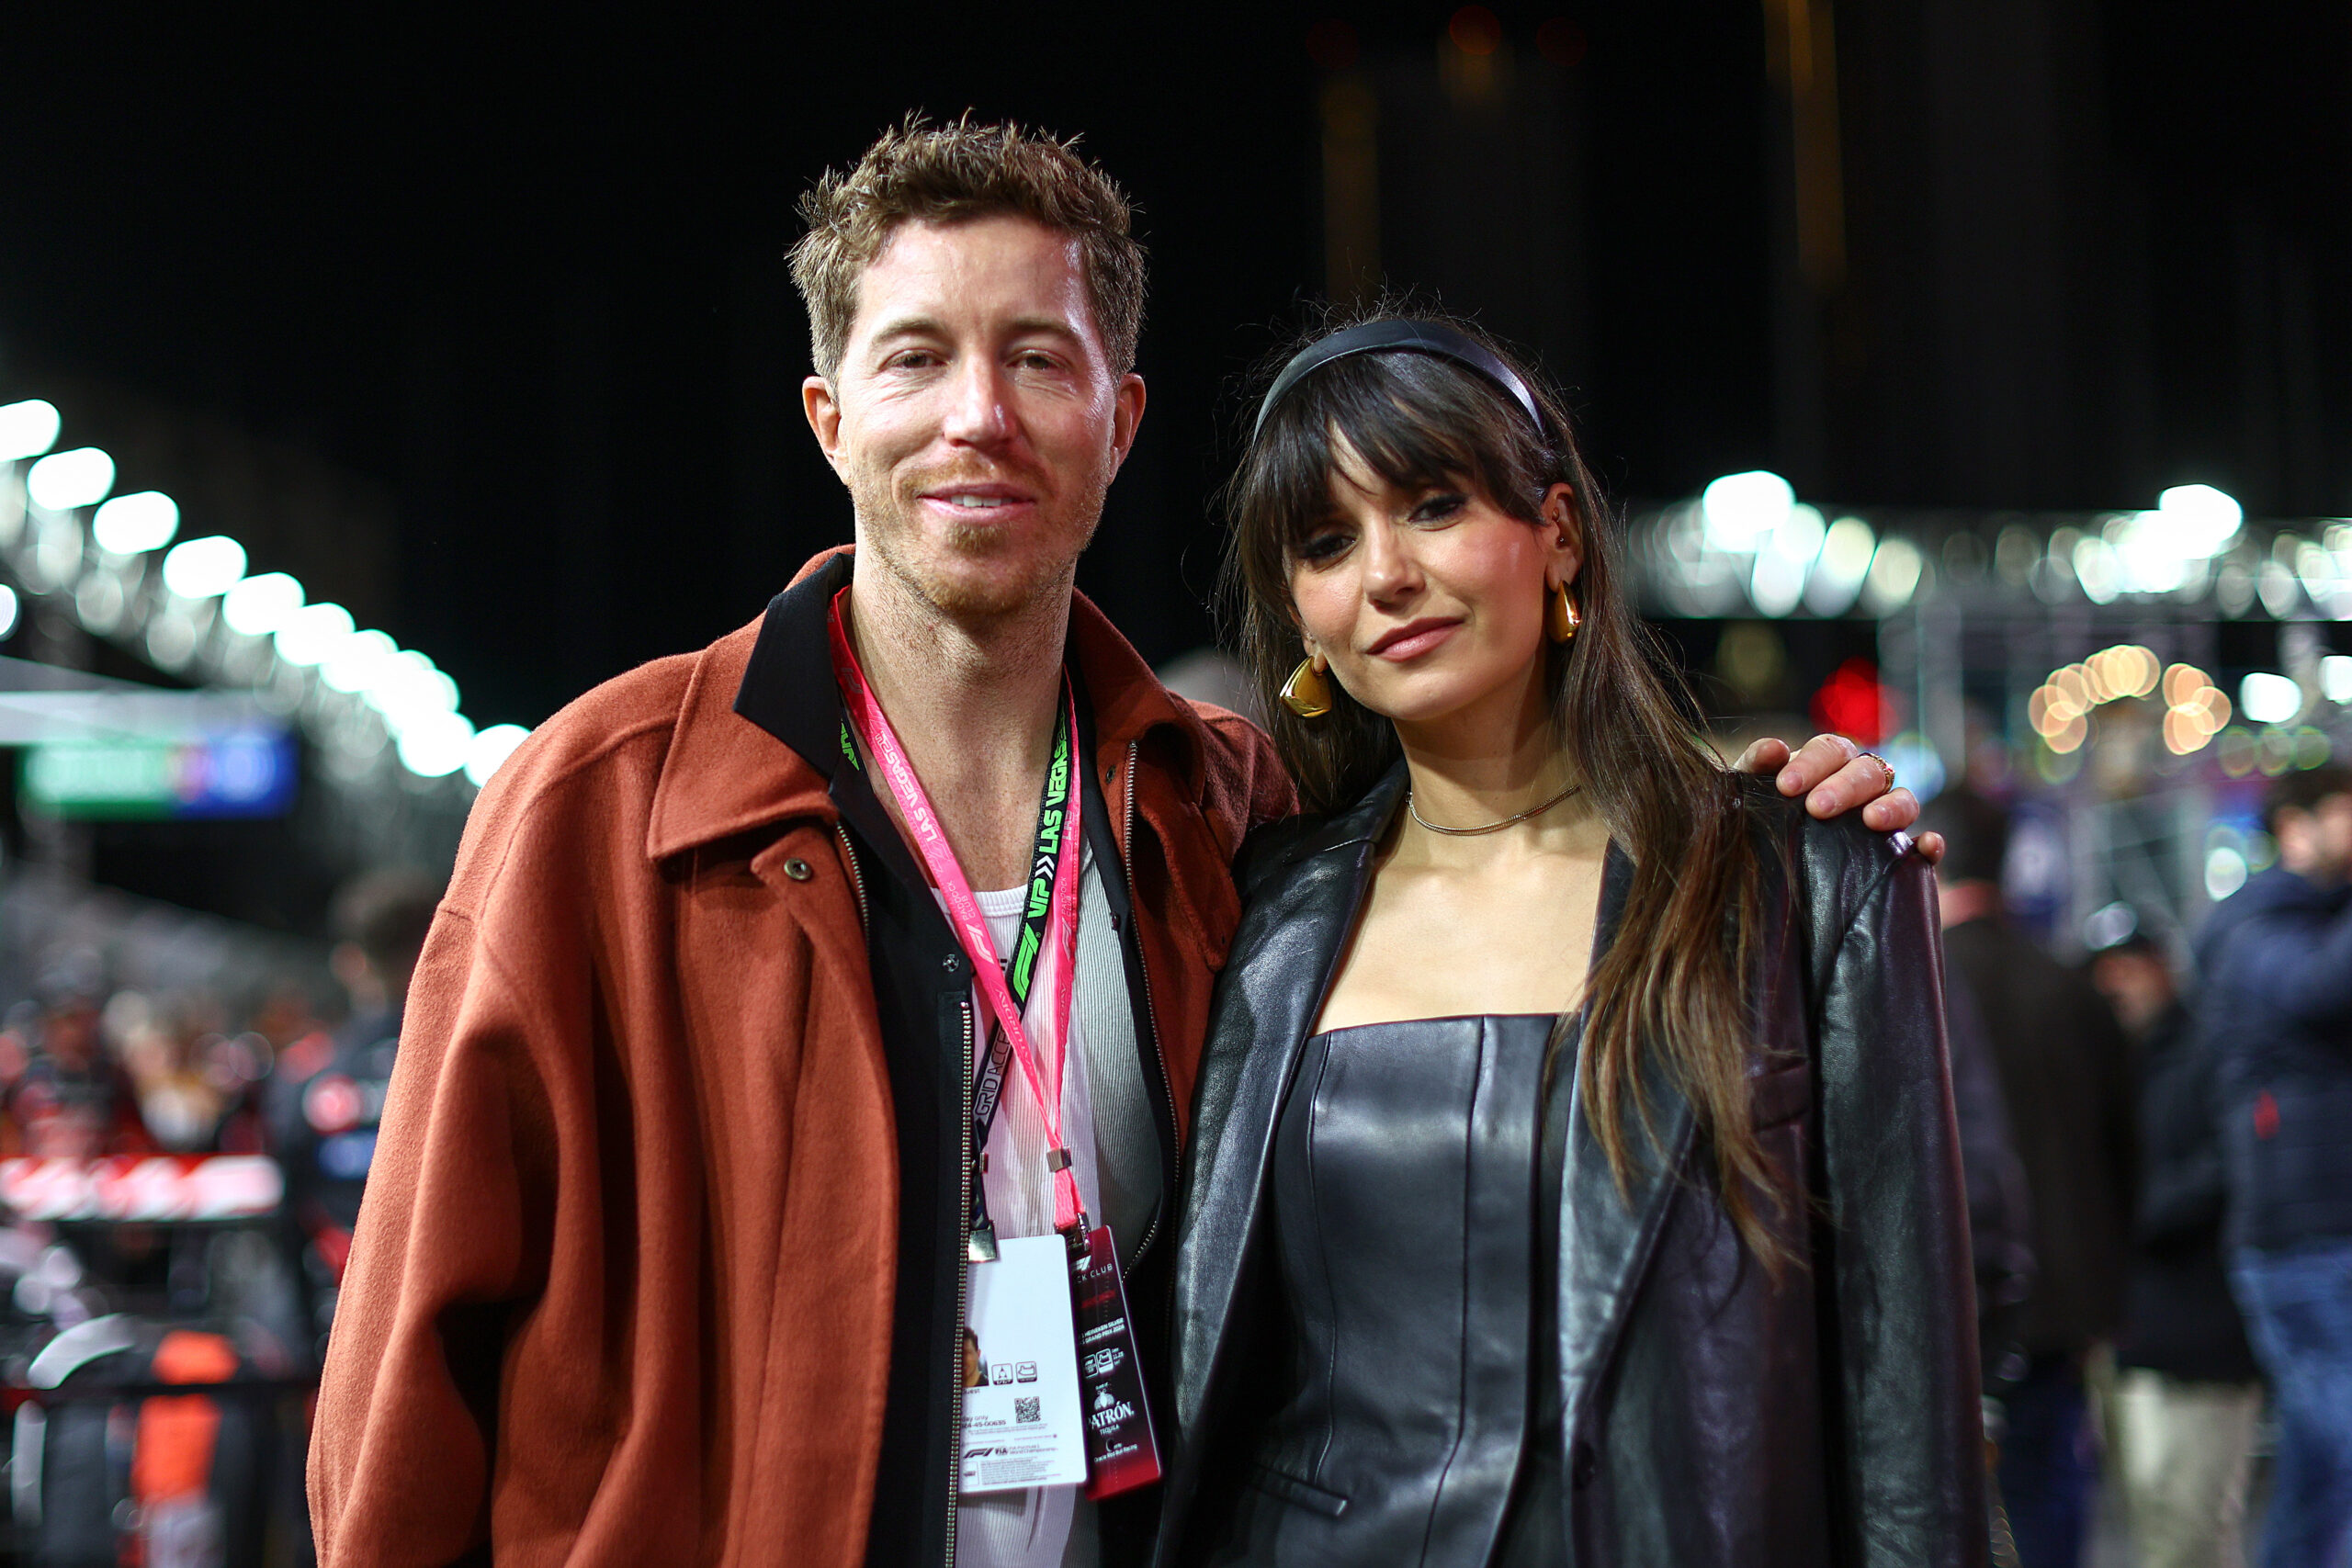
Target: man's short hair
942,174
1976,835
2301,790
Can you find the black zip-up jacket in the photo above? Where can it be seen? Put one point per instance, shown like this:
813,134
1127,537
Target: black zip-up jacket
1710,1416
922,998
2178,1317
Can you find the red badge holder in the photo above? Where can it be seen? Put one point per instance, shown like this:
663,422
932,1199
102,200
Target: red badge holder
1121,1452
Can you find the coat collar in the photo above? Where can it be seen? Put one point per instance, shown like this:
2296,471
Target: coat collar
758,734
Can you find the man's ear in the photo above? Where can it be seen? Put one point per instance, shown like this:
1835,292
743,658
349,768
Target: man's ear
1127,418
824,413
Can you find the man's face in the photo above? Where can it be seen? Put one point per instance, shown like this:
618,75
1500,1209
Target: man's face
975,416
2138,985
2334,829
2318,843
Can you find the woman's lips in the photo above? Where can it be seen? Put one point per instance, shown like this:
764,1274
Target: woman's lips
1413,639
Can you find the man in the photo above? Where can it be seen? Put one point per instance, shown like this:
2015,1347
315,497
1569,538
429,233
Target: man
2066,1081
2187,1393
2000,1217
2278,1008
664,1257
325,1098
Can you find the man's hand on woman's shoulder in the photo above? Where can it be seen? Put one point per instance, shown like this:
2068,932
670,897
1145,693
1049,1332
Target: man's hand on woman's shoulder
1835,776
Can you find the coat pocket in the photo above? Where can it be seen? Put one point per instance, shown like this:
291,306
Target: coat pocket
1291,1489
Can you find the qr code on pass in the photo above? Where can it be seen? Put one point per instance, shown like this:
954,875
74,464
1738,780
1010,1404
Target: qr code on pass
1024,1410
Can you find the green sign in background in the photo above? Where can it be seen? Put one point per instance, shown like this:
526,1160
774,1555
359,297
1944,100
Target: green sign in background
121,778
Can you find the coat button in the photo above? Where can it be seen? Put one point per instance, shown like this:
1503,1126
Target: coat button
1582,1466
797,869
950,961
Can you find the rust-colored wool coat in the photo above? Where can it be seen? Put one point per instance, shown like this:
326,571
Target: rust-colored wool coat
622,1286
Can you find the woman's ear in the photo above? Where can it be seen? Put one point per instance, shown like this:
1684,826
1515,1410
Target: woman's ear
1562,534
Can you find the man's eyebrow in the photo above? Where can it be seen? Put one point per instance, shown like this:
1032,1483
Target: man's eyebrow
909,326
930,326
1053,324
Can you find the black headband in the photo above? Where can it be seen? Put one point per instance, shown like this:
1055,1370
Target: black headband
1402,334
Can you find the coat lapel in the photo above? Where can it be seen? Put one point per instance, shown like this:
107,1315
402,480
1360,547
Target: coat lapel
1262,1022
1607,1233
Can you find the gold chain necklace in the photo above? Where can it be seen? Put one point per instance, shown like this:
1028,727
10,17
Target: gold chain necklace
1491,827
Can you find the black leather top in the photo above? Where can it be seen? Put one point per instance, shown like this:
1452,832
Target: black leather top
1712,1415
1403,1228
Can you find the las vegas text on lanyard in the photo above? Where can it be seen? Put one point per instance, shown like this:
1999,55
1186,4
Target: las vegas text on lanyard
1050,916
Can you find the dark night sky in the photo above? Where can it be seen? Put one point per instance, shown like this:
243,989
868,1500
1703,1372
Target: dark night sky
527,277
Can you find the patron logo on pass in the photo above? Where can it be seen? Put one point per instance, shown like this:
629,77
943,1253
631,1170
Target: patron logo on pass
1121,1450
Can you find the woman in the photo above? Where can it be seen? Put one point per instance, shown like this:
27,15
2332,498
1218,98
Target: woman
1574,1176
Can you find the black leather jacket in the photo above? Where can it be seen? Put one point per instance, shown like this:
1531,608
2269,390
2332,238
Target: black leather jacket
1710,1416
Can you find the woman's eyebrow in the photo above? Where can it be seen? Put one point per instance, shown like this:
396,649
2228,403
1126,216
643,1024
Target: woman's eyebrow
1324,515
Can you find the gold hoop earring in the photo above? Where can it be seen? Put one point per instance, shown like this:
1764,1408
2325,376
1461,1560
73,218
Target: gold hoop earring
1307,692
1560,617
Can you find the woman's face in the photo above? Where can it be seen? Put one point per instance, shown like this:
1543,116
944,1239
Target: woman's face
1429,603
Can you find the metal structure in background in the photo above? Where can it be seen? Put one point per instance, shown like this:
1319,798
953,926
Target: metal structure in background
2127,679
382,724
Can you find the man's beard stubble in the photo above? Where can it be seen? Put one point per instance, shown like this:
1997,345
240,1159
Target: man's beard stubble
888,524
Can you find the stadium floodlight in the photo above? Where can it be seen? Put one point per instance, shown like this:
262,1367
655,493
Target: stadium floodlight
259,605
354,660
312,634
1741,509
438,746
2267,698
28,429
407,687
489,750
198,569
1845,559
132,524
63,480
2201,518
9,610
1896,569
2335,677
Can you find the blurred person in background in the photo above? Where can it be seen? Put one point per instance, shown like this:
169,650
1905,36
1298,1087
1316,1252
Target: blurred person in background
159,1054
2188,1393
2066,1080
2000,1214
72,1100
2277,1007
327,1093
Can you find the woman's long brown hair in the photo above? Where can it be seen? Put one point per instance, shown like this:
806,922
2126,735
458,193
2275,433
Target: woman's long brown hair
1671,983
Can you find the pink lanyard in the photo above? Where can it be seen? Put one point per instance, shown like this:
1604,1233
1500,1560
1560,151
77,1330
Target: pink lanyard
964,910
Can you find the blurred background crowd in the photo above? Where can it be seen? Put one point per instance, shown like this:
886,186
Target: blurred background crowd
1969,377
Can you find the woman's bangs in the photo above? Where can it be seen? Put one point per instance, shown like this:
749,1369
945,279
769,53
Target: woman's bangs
1379,409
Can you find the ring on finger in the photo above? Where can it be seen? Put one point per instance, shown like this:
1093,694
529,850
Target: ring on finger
1884,766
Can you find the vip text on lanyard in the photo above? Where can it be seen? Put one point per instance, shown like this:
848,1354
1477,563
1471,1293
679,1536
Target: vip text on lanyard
1051,911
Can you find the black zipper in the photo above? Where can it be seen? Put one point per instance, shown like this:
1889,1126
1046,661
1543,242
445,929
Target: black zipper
963,1296
856,881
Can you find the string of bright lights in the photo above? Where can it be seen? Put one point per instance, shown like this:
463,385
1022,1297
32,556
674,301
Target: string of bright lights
277,641
1745,544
